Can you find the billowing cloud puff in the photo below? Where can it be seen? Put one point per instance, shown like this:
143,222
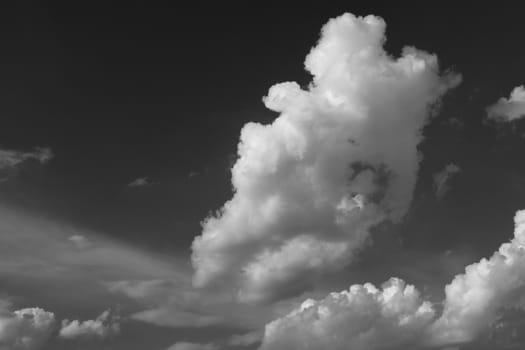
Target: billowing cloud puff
341,158
396,317
105,325
473,299
442,179
25,329
363,317
192,346
509,109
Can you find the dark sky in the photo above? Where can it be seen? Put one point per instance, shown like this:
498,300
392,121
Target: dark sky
120,91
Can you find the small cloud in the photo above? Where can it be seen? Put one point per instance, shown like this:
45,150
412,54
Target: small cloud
192,174
10,160
508,109
442,179
192,346
104,326
80,242
455,123
247,339
141,182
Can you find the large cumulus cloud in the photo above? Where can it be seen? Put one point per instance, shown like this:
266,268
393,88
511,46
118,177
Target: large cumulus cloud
363,317
340,158
474,299
396,317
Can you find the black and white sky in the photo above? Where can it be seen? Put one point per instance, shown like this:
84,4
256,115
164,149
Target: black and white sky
196,176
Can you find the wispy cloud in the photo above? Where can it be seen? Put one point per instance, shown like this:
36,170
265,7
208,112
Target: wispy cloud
442,179
11,158
192,346
141,182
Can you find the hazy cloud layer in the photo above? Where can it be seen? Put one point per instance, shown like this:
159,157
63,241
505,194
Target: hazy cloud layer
340,158
509,109
442,179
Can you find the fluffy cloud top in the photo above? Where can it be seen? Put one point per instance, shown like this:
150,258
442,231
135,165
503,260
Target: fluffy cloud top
340,158
105,325
363,317
442,179
396,318
509,109
25,329
474,298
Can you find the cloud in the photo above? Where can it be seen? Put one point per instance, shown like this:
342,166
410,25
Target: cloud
509,109
25,329
141,182
11,158
174,303
442,179
363,317
105,325
396,317
246,339
340,158
473,299
80,242
192,346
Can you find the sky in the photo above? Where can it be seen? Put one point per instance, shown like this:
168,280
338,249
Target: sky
341,176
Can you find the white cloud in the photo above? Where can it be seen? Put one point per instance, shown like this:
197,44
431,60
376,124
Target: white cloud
25,329
397,318
11,158
473,299
341,158
442,179
192,346
80,242
361,318
105,325
509,109
141,182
